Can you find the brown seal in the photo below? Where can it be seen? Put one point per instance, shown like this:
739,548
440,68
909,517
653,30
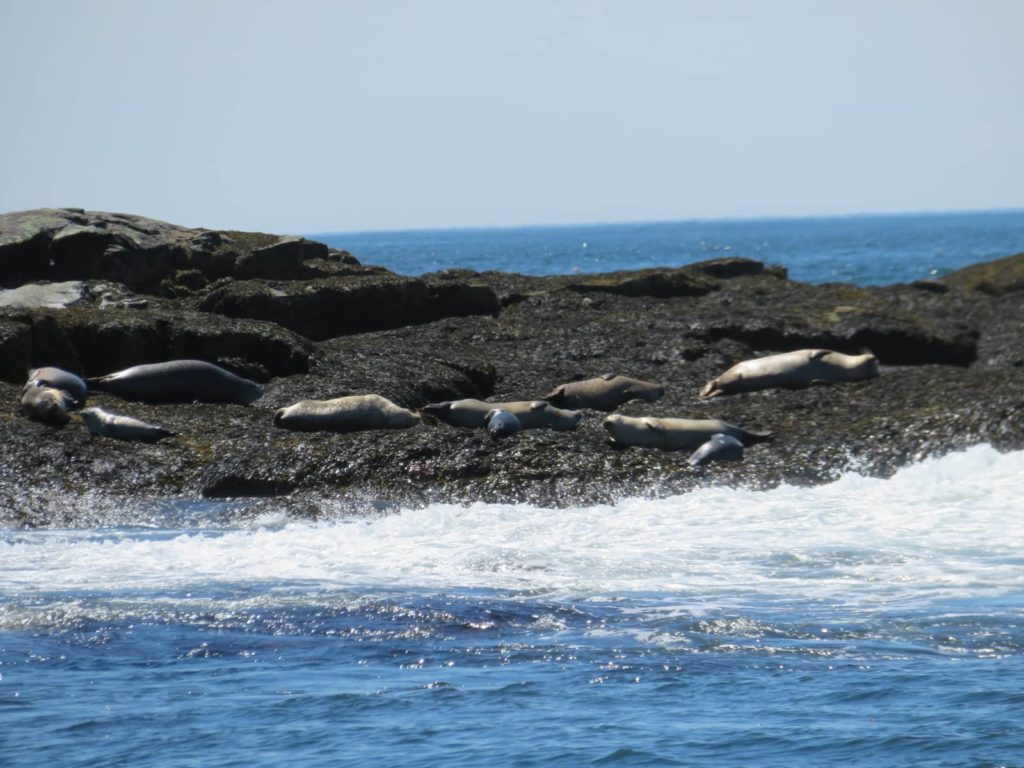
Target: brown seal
354,413
674,434
792,370
605,393
532,414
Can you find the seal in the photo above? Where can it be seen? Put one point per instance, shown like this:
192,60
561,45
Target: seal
718,448
67,382
46,405
178,381
104,424
532,414
674,434
501,423
605,393
354,413
792,370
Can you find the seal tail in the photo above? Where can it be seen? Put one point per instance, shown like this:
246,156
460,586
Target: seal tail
556,396
749,437
434,409
96,382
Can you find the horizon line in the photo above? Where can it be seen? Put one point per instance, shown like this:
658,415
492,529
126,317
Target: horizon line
642,222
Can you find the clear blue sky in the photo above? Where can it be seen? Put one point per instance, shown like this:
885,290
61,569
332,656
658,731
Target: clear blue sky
307,116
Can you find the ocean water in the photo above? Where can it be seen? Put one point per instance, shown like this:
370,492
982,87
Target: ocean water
868,622
868,250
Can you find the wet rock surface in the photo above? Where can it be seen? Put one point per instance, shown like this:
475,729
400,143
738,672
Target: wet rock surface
310,323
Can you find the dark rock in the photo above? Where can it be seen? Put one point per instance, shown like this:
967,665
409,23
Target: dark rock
144,254
339,306
659,283
97,342
992,277
282,260
736,267
15,349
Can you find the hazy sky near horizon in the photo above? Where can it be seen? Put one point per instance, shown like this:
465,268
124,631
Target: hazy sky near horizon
313,116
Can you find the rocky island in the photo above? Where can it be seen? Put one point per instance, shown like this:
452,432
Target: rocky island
95,293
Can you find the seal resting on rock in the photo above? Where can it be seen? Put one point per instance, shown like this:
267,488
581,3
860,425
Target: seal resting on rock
718,448
354,413
104,424
605,393
532,414
792,370
179,381
67,382
47,405
501,423
674,434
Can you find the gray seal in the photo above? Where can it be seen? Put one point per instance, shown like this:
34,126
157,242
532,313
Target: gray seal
46,405
178,381
502,423
674,434
104,424
532,414
605,393
354,413
792,370
718,448
73,386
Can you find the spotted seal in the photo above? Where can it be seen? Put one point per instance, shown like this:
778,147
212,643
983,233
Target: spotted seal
345,414
605,393
674,434
104,424
718,448
792,370
532,414
178,381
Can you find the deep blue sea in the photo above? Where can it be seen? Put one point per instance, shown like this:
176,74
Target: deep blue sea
869,622
860,249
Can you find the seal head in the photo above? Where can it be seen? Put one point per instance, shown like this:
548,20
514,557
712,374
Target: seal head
502,423
46,405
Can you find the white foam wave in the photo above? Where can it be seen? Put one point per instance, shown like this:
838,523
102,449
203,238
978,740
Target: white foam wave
943,528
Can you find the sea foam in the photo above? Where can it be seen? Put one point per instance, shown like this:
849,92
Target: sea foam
947,526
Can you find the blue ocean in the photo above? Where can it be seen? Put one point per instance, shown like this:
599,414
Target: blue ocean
868,622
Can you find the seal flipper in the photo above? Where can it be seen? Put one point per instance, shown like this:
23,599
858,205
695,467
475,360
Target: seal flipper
608,376
654,424
710,390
